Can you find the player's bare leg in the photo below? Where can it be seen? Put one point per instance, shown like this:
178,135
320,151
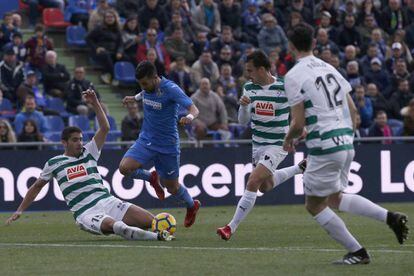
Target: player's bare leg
130,167
358,205
180,193
137,216
336,229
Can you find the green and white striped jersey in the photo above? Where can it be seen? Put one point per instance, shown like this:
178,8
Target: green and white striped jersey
324,93
269,112
78,178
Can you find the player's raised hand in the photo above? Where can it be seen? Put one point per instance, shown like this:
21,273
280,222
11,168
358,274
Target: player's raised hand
185,121
127,100
13,217
244,100
89,96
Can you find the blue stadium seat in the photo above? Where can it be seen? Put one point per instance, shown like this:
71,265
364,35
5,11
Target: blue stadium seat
237,129
6,109
124,72
8,6
112,124
57,105
75,36
396,126
112,137
53,136
80,121
54,123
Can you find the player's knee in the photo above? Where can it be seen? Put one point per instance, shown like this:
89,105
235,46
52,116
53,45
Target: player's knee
253,184
265,187
124,170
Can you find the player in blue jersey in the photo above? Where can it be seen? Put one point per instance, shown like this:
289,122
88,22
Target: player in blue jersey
158,141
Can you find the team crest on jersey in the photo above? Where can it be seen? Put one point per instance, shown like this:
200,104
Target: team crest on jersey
76,171
264,108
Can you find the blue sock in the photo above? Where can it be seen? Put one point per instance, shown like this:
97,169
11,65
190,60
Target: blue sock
142,174
183,195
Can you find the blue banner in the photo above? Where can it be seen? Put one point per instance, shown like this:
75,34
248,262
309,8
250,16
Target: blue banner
215,175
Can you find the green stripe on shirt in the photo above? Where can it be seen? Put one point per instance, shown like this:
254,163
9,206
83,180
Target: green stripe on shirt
267,135
271,123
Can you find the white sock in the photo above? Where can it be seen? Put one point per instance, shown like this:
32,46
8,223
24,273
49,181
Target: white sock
284,174
336,228
244,206
133,233
359,205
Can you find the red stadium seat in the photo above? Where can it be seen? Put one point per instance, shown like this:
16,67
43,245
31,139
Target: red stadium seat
54,18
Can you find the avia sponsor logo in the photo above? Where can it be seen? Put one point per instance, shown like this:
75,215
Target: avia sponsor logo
264,108
153,104
75,172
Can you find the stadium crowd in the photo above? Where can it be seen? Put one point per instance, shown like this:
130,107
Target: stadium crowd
202,46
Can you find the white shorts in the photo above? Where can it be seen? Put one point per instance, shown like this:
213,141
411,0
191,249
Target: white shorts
327,174
110,207
269,156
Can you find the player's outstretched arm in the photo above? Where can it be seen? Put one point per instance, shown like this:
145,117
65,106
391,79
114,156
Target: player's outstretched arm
192,114
33,191
100,135
352,110
297,125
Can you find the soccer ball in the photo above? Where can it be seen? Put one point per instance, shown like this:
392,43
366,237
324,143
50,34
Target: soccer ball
164,221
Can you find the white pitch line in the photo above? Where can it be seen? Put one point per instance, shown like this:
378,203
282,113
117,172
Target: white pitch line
246,249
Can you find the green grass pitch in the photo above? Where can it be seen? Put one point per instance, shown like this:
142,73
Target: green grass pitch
274,240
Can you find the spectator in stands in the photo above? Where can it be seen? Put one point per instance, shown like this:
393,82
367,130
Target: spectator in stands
251,23
96,17
359,131
277,67
11,74
393,17
18,46
226,57
294,19
366,28
30,87
376,74
34,8
378,37
380,128
268,7
7,26
29,112
326,24
151,42
106,44
350,54
323,42
397,53
213,114
400,72
4,108
400,98
155,24
329,6
378,100
201,44
77,12
30,133
230,15
17,21
408,113
299,7
368,8
7,134
75,103
348,34
152,9
409,12
177,22
206,18
365,61
204,67
131,37
271,35
127,8
225,39
347,8
183,9
180,74
152,57
353,75
37,46
177,46
227,90
364,106
131,123
335,62
409,36
55,76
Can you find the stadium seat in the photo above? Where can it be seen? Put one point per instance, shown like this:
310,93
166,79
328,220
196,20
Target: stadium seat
53,136
57,104
54,123
6,109
53,17
124,72
75,36
7,6
396,126
81,121
113,127
112,137
237,129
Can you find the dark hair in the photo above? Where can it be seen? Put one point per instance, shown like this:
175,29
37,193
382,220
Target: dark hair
301,37
145,69
36,133
39,28
67,132
259,58
380,112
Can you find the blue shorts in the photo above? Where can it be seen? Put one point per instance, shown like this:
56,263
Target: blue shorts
167,165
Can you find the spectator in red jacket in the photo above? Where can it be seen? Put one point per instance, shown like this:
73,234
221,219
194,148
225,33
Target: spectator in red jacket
37,46
151,42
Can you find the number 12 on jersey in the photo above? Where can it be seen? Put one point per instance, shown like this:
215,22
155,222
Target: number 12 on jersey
331,95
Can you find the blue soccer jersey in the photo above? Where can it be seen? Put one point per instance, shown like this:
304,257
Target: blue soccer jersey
159,131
